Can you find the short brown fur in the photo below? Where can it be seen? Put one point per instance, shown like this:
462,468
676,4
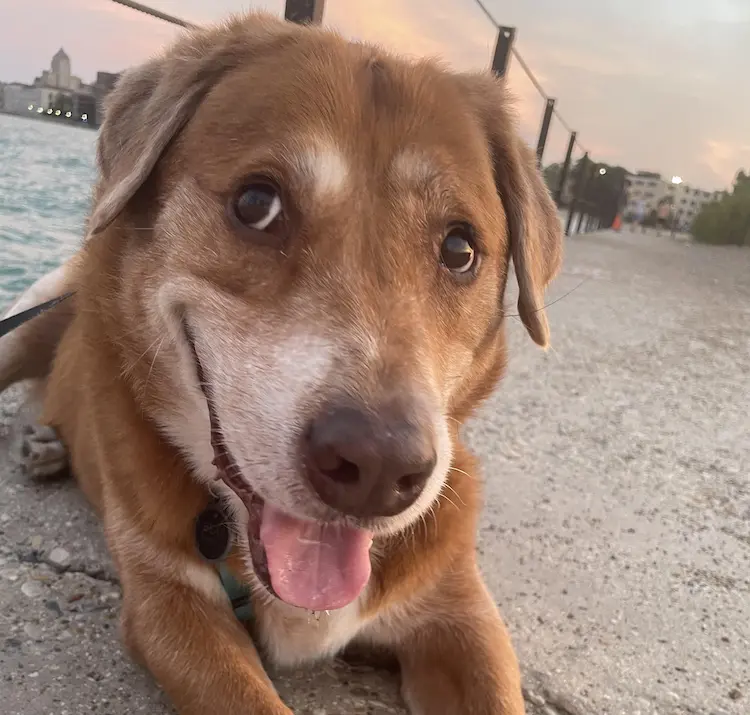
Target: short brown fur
255,94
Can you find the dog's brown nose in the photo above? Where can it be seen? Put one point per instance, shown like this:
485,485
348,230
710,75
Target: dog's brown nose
369,464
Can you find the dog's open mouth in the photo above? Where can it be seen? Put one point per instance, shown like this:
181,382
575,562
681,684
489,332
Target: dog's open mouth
313,565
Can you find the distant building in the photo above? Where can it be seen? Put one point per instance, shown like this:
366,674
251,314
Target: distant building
58,92
59,75
17,98
647,191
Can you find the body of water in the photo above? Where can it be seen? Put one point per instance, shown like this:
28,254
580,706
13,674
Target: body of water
46,174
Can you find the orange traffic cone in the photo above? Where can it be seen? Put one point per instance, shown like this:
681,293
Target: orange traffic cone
617,223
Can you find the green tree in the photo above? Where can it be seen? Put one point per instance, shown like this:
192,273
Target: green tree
727,221
552,175
600,188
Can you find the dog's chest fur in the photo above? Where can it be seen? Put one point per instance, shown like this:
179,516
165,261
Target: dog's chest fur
291,635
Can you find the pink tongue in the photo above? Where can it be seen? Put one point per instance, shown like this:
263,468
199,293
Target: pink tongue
316,566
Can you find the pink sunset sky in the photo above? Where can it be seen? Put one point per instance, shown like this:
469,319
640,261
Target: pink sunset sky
659,85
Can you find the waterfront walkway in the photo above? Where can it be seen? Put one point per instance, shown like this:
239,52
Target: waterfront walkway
616,535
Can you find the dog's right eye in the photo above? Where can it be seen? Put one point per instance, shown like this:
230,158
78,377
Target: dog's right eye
257,206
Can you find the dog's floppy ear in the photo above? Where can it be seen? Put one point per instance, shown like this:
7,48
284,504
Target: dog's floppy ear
534,227
152,103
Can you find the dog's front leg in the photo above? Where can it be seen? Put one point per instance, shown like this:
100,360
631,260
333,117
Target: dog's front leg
180,626
457,656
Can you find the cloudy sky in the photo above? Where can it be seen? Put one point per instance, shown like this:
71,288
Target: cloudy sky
651,84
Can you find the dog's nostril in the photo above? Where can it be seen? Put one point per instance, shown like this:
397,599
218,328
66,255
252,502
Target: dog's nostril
410,482
343,473
327,459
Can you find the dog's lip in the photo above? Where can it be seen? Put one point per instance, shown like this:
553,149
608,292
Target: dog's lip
229,473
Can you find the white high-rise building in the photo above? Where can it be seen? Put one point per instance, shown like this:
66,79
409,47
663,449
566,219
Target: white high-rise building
647,191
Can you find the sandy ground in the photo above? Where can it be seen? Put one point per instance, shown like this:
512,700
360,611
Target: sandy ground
616,534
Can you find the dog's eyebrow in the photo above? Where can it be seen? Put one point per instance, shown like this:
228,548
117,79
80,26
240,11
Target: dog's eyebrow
322,164
414,167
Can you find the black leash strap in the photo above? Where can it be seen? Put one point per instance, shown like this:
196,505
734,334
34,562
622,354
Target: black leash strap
14,321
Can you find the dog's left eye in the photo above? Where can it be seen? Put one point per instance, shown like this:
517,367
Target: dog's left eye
257,206
457,252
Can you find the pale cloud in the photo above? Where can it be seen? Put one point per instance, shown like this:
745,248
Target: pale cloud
653,84
724,158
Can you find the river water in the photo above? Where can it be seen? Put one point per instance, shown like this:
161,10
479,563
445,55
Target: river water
46,175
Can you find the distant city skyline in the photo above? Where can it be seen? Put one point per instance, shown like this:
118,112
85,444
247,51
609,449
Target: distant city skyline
651,84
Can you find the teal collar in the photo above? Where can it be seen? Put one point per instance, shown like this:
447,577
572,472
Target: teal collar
238,594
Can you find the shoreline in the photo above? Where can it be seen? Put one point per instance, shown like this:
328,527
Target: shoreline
34,116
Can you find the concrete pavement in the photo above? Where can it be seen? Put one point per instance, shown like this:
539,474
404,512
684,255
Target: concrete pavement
616,535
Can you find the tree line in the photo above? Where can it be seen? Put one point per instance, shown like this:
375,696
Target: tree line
597,189
726,221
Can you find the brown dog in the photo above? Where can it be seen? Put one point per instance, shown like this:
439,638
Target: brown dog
293,281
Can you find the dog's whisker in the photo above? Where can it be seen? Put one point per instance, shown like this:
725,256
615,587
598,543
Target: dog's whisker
446,485
551,303
153,362
128,370
461,471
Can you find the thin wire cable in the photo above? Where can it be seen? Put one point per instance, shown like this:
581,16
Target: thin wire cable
529,73
140,7
525,67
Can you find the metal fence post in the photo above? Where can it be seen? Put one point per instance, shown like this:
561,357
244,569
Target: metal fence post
548,109
578,193
304,11
565,169
503,48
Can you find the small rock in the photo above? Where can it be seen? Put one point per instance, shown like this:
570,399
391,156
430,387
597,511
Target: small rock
32,589
59,558
33,631
36,542
735,694
10,574
533,698
54,606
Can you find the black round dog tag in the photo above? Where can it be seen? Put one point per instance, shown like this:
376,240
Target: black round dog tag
212,534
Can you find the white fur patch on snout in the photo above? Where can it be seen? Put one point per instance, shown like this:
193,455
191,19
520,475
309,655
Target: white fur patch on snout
264,389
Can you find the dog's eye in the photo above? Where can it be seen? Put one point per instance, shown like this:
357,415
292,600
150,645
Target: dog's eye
257,205
457,252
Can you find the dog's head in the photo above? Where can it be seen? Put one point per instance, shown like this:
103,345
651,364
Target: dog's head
314,239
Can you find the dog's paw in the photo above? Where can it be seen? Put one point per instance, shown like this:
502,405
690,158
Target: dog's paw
43,455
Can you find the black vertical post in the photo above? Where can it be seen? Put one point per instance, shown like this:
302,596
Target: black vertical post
578,194
304,11
565,169
548,109
503,48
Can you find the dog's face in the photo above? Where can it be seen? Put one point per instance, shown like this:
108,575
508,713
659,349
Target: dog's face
319,236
